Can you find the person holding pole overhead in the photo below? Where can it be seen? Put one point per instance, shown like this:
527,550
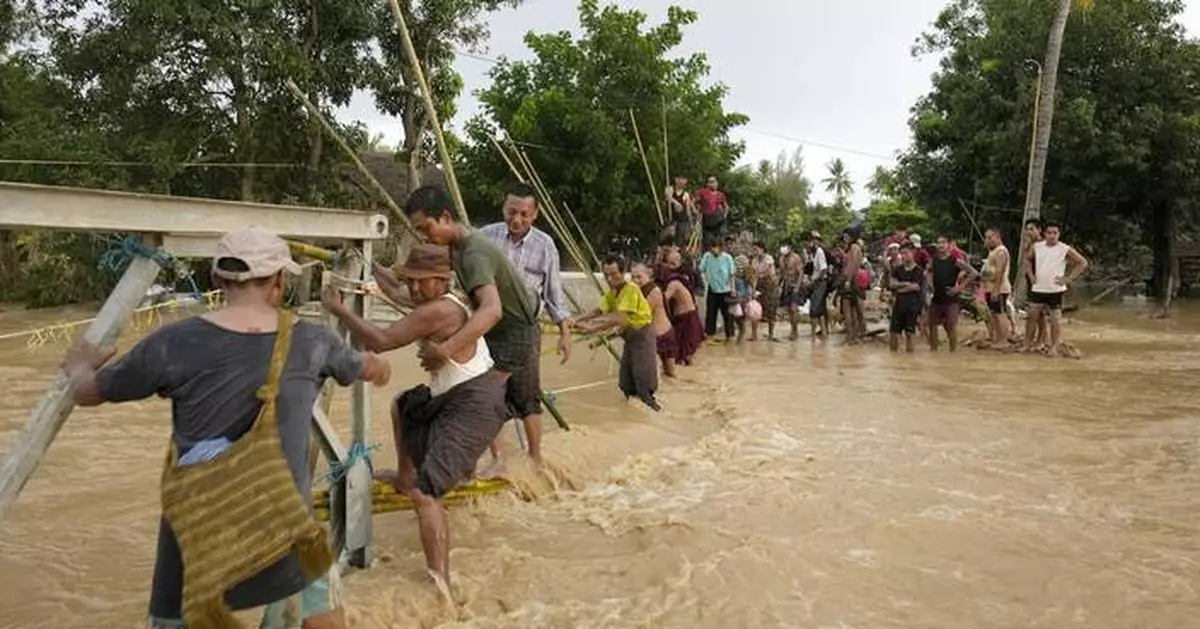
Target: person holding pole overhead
534,255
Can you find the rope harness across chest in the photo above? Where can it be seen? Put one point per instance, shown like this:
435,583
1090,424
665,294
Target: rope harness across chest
240,512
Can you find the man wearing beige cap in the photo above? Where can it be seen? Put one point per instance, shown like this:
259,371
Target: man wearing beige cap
212,368
440,429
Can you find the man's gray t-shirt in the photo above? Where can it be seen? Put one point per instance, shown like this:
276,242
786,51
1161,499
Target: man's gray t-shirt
211,375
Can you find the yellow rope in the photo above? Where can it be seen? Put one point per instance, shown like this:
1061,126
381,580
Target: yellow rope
144,319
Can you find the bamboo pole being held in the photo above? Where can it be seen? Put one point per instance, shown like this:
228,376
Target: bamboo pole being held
666,146
582,235
350,153
430,110
646,164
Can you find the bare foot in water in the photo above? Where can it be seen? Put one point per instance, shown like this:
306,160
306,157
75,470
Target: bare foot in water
442,584
496,470
403,483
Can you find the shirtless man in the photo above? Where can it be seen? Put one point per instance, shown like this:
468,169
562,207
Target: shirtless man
791,269
1050,267
663,333
998,287
681,306
440,429
851,294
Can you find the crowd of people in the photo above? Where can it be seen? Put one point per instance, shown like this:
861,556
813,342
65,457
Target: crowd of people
244,378
926,288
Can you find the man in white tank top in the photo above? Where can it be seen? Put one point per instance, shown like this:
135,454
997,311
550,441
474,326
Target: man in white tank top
440,429
1046,267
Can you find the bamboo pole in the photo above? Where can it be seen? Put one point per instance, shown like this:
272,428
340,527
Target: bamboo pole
666,146
430,110
582,235
645,163
350,153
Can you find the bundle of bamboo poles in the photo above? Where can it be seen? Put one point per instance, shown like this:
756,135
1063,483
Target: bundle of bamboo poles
385,498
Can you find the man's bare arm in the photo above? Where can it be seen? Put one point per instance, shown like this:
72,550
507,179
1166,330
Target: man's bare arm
1080,264
419,324
997,274
391,287
1027,267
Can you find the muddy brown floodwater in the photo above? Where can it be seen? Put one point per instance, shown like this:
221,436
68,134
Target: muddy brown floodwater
787,485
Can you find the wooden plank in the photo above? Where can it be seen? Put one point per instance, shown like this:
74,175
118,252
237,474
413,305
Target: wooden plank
55,406
78,209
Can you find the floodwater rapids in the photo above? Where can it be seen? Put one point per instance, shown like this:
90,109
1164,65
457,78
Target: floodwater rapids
786,485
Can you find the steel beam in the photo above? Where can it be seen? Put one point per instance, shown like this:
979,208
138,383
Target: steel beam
200,220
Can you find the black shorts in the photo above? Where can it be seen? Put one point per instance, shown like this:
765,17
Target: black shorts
524,386
1050,301
997,304
511,344
904,320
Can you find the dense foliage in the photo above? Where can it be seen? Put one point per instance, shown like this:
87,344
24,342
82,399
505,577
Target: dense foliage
1122,167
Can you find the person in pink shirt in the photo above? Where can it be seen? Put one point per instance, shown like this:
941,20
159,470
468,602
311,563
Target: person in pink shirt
713,208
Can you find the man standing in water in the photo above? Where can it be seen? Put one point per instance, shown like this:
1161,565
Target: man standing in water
998,287
533,253
818,306
212,368
906,282
717,268
685,320
1047,268
850,292
624,307
791,269
501,310
664,335
713,209
1035,324
441,429
946,275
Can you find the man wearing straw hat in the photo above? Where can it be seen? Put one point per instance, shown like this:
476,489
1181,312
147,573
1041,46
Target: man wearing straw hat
212,368
440,429
533,253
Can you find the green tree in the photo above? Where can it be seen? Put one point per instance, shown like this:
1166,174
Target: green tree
438,28
568,107
1122,163
839,183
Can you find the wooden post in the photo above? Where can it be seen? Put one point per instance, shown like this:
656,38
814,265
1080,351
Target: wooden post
54,408
359,510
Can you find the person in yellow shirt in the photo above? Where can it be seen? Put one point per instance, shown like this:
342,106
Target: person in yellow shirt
624,308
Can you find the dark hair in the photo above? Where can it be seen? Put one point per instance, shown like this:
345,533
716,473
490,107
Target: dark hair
617,260
760,244
522,191
730,239
1055,224
947,237
993,228
432,200
712,242
1035,222
906,246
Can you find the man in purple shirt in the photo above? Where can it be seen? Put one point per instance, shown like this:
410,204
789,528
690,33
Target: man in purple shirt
535,256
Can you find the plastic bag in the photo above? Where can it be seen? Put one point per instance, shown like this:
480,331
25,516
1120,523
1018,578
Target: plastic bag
754,311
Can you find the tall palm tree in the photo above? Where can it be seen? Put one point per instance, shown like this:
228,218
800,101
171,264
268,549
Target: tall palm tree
1043,122
838,182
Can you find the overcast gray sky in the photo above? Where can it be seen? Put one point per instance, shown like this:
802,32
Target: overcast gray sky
836,76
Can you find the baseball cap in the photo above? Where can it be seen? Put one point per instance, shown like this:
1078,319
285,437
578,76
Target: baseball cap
263,253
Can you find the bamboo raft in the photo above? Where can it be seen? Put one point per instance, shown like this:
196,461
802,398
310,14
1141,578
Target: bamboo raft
385,498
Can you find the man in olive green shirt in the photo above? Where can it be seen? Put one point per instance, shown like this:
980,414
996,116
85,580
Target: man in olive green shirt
502,313
624,307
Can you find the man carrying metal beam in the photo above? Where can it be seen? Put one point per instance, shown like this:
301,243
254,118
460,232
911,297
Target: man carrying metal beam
440,429
242,381
533,253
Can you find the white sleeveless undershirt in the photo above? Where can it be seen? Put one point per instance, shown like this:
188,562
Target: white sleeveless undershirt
1050,263
452,373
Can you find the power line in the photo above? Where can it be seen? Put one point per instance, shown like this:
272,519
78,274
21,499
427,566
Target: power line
56,162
